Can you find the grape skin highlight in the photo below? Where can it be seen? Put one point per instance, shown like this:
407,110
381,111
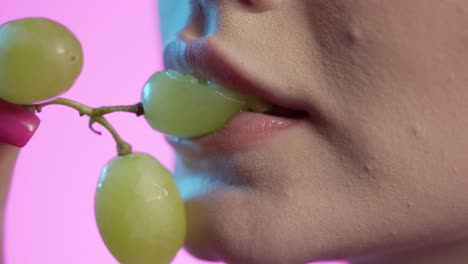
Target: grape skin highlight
139,210
39,60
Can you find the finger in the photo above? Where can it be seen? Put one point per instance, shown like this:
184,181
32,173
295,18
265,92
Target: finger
17,124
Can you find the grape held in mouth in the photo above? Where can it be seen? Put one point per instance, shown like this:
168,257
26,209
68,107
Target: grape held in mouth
183,106
39,59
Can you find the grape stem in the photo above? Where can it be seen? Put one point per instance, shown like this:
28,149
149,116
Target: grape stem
96,115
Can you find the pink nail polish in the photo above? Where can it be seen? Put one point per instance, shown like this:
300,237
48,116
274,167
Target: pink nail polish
17,124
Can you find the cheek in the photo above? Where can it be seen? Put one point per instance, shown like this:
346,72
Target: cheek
410,150
400,109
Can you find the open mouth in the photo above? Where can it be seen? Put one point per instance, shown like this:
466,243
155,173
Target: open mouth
258,122
279,111
276,110
208,59
271,111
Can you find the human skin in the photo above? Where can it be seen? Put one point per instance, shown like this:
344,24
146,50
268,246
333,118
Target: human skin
8,155
378,171
377,174
17,126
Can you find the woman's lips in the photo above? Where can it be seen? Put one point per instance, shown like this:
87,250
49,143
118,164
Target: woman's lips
244,129
210,58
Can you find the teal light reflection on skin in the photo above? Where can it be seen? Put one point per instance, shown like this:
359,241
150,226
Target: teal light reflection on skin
189,184
173,15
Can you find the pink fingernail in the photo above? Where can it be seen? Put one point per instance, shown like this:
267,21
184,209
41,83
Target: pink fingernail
17,124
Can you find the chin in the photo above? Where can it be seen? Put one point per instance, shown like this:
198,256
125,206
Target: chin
242,203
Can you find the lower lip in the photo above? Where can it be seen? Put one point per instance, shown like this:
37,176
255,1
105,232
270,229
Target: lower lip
244,128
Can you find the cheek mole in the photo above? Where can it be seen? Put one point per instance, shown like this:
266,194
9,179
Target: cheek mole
353,36
417,132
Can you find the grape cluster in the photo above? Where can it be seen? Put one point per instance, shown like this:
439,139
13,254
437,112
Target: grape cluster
139,210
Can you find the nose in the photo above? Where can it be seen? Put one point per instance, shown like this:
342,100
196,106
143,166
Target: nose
207,15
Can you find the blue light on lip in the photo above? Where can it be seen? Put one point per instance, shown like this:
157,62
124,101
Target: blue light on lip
179,140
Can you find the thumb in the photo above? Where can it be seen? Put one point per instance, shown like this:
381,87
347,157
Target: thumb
17,124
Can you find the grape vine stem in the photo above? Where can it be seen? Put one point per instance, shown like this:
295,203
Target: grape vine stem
96,115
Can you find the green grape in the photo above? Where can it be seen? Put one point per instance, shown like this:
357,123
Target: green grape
139,211
183,106
256,104
39,59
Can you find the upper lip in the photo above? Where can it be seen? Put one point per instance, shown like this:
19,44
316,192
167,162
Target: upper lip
205,58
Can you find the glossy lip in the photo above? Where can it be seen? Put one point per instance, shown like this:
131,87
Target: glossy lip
205,59
244,129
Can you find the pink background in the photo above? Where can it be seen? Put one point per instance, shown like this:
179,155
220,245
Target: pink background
50,210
